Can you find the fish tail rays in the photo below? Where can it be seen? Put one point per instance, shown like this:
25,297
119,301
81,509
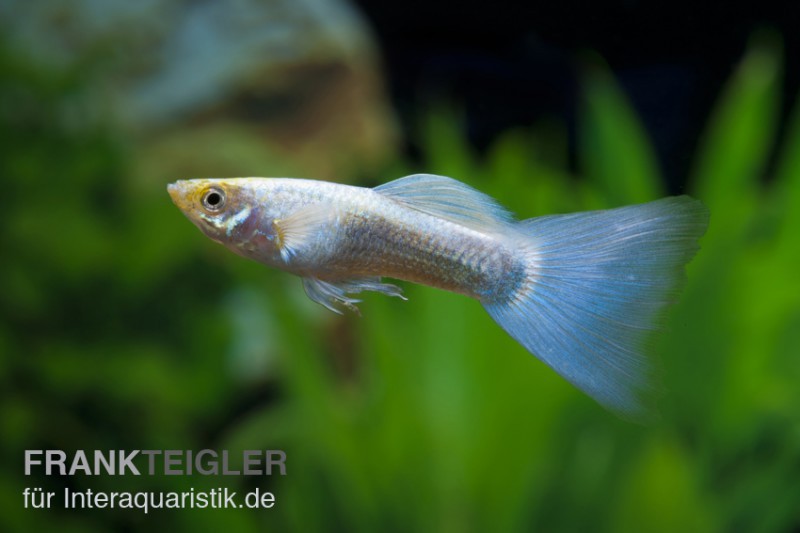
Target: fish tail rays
597,286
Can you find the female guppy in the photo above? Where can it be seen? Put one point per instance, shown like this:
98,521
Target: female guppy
580,291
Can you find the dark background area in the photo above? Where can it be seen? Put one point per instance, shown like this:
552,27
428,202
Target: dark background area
510,63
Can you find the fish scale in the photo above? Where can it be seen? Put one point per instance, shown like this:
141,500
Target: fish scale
453,258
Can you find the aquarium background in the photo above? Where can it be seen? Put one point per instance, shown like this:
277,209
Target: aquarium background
124,328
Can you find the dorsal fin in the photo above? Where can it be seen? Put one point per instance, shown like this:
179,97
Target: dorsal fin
449,199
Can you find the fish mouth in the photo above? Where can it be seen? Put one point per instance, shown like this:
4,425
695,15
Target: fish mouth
181,193
174,190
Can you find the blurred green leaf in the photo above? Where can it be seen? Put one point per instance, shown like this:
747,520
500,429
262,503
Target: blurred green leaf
786,196
446,150
531,167
738,140
615,153
662,492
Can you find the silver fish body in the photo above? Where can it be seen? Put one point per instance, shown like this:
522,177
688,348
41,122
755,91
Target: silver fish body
579,291
373,235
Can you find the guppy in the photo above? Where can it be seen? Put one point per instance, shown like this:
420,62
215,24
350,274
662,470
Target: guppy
580,291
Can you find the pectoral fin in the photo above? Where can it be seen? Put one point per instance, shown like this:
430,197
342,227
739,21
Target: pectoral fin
332,294
302,227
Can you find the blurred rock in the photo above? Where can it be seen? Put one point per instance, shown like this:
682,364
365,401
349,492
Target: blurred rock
296,80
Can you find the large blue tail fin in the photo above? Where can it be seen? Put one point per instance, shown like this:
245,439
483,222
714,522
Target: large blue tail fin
596,287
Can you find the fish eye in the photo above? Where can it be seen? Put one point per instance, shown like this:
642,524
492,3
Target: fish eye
214,199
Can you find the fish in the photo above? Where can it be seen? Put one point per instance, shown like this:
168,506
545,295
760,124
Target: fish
584,292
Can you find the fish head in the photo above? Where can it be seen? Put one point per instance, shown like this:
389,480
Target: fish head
228,212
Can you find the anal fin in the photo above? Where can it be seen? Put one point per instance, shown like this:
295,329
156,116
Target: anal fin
334,294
